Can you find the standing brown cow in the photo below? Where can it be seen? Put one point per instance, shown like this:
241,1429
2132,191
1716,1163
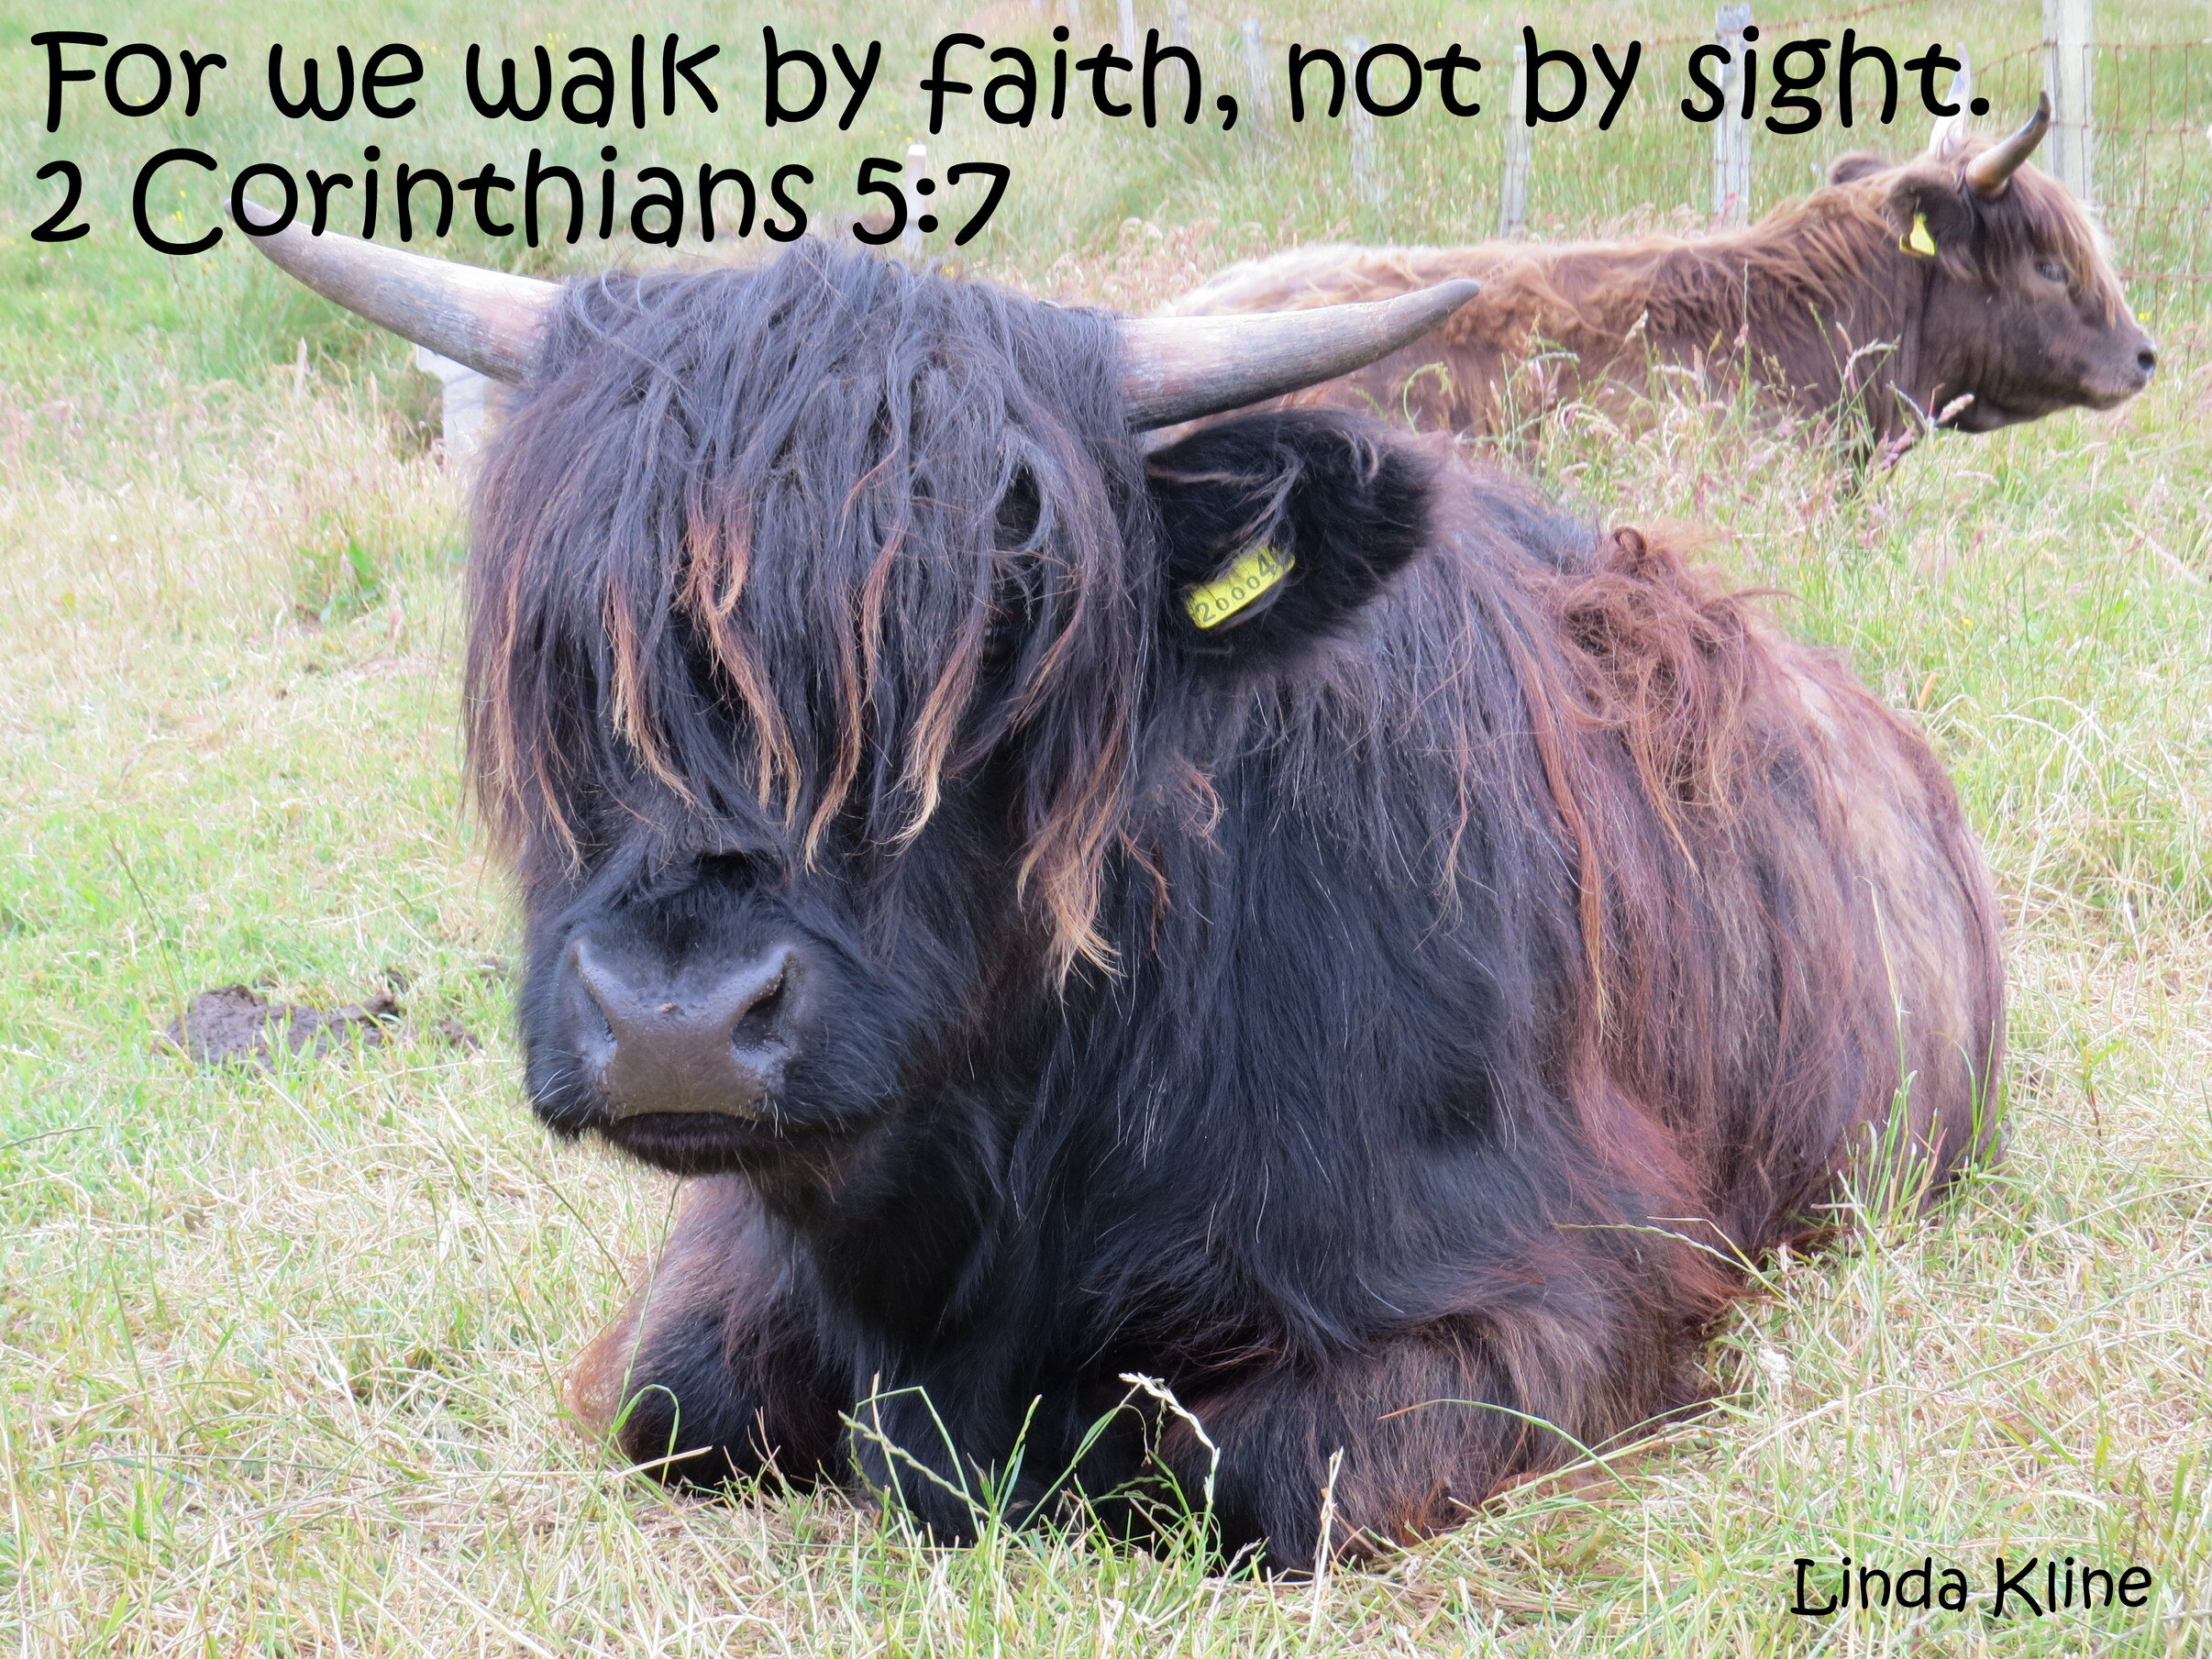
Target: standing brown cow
1961,288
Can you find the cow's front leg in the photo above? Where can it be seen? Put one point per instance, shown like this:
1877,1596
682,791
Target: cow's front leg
715,1369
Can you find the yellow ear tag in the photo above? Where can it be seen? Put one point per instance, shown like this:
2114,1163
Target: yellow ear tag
1251,575
1917,240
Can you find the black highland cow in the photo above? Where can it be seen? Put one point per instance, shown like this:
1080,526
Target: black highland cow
1387,1016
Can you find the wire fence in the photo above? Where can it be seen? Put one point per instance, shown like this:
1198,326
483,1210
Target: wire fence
2151,124
2146,136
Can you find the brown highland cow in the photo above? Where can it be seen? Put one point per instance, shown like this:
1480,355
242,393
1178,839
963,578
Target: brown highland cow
1962,288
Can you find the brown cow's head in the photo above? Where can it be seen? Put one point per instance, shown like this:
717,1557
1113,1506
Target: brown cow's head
2022,310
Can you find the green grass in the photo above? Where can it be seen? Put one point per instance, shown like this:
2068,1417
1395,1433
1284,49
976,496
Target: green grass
278,1351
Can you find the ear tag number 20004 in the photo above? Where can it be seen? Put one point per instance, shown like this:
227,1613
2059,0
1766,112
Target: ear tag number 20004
1252,574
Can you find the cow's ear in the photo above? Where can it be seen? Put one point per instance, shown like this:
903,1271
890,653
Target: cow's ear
1277,529
1855,164
1930,217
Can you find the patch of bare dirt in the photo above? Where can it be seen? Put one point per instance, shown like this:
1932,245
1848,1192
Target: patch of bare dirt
231,1024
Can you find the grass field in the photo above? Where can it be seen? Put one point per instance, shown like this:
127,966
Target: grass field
279,1350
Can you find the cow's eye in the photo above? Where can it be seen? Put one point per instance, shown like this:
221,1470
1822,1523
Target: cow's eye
2051,270
1002,644
1012,613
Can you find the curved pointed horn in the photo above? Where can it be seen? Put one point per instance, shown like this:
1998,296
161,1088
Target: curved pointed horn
1179,368
1989,171
490,320
1950,131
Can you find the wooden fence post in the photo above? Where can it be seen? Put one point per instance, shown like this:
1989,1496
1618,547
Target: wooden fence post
910,239
1513,190
1731,133
1256,71
1129,35
1178,23
467,401
1366,185
2069,152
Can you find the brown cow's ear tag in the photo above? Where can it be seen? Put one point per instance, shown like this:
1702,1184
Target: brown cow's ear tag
1917,239
1257,570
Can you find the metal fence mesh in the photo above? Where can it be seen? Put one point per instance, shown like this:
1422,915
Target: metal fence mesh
2152,112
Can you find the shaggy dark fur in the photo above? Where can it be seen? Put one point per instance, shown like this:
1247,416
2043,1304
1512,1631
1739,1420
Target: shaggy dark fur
1389,1021
1818,305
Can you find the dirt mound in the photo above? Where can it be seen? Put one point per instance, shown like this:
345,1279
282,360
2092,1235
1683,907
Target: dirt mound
232,1024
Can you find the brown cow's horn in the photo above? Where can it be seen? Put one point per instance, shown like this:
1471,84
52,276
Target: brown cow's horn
1179,368
1950,131
488,319
1989,171
1174,369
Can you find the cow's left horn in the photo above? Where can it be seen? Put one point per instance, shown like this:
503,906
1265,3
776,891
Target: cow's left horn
1179,368
1950,131
490,320
1989,171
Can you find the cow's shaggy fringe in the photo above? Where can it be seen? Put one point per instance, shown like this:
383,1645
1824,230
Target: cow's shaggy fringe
764,516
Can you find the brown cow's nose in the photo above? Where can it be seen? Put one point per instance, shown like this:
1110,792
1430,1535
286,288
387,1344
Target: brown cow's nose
2146,360
705,1041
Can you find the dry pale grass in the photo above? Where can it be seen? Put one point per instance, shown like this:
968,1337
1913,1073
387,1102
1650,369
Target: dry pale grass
279,1347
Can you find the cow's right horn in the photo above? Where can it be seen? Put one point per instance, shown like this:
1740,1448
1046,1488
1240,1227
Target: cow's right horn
1179,368
1993,169
490,320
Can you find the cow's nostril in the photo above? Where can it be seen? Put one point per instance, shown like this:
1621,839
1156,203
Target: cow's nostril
2146,360
594,1020
709,1039
756,1026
